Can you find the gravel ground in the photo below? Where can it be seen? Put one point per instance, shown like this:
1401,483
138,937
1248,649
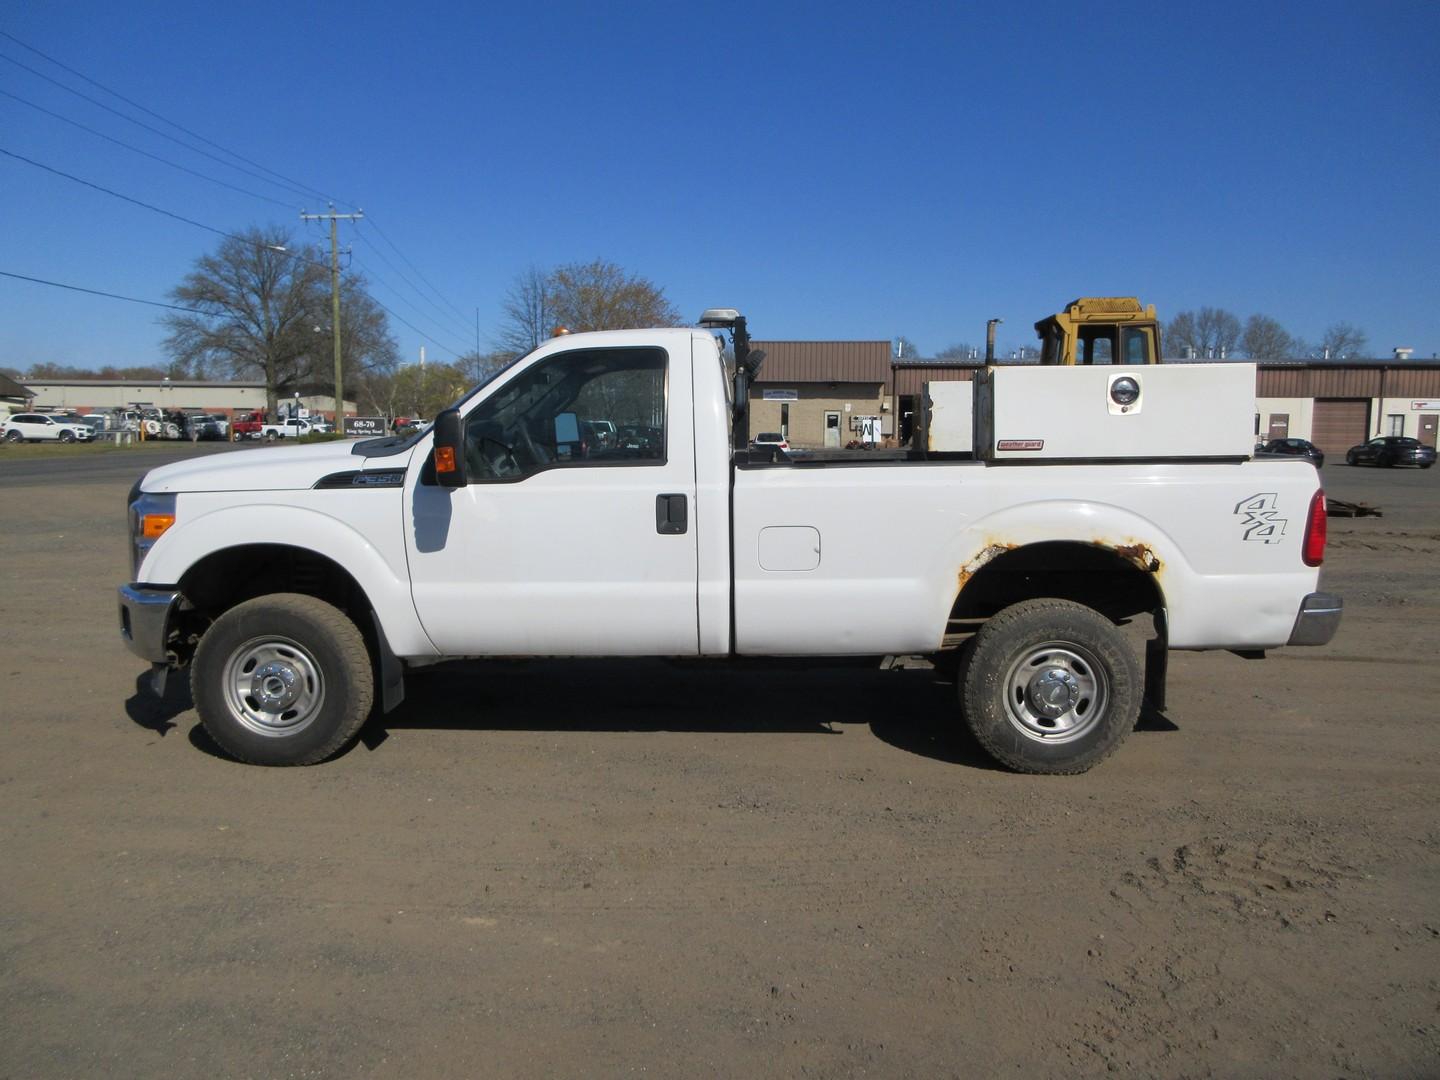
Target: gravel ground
605,869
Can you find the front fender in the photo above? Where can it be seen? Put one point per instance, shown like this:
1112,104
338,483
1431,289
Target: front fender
202,529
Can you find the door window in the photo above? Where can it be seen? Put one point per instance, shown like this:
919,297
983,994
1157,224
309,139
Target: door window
1135,345
586,407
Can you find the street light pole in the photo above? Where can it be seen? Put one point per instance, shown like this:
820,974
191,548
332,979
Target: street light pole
333,218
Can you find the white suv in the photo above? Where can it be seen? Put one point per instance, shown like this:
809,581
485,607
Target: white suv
23,427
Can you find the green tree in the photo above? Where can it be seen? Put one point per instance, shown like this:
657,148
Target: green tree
422,390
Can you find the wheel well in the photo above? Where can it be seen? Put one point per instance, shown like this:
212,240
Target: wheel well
1118,582
231,576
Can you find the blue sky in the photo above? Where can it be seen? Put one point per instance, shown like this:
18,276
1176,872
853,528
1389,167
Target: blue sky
834,170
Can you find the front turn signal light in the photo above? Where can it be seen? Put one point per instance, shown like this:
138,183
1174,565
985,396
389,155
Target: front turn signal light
153,526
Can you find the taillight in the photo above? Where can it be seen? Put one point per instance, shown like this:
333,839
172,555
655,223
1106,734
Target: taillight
1313,550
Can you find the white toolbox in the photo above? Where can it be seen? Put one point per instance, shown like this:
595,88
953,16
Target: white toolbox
1112,412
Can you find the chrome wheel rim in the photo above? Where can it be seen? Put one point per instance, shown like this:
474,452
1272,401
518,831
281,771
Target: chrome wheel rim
273,686
1056,692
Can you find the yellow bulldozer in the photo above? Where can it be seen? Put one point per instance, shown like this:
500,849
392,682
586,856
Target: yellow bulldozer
1101,330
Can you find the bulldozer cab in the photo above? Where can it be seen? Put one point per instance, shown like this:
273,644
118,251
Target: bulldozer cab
1101,330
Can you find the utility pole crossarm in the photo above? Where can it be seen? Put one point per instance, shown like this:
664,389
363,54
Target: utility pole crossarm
333,218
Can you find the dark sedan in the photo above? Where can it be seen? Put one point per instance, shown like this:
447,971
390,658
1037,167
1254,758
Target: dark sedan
1295,448
1390,450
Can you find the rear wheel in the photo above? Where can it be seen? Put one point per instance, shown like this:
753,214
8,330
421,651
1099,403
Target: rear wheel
1050,686
14,436
282,680
270,436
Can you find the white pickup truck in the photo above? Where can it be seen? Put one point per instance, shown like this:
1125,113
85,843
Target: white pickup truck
300,585
289,428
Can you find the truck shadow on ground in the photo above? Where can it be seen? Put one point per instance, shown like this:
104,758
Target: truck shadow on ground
908,709
911,710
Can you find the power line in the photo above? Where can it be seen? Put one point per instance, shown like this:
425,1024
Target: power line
381,256
463,318
116,194
100,292
372,276
163,119
281,179
300,190
143,153
212,229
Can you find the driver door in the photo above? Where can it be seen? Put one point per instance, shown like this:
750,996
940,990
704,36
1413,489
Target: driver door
565,541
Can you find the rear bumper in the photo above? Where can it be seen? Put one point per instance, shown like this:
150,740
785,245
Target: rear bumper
1318,619
145,620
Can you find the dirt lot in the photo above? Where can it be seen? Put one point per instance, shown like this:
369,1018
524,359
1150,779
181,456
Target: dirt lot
596,869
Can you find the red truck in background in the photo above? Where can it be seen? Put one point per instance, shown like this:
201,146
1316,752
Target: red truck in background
248,426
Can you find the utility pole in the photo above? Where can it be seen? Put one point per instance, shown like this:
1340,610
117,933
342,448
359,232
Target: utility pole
333,217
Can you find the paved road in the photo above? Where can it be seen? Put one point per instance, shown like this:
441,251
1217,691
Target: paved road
105,465
603,869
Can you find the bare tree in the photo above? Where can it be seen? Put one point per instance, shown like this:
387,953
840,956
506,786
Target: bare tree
600,295
529,315
1344,341
256,314
1210,332
905,349
960,351
1265,339
263,308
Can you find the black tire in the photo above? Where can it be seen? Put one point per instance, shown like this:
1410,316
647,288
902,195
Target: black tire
67,436
14,436
270,436
307,656
1042,655
1350,458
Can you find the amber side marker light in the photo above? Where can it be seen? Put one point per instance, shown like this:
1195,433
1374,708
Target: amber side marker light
153,526
444,459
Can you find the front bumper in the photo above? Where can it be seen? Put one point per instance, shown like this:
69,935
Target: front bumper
1318,619
145,620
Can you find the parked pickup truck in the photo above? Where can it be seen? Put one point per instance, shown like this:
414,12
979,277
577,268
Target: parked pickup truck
302,585
248,426
291,428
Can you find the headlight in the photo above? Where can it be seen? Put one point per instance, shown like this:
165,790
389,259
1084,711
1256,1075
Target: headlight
150,516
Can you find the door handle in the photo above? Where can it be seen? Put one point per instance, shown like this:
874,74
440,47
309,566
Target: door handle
671,515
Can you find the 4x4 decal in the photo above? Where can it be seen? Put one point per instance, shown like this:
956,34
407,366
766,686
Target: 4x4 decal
1262,521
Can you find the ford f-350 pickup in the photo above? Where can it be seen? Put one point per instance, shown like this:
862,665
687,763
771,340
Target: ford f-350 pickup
300,584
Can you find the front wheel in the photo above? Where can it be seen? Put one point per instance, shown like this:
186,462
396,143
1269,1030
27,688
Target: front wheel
1050,686
282,680
67,436
1351,459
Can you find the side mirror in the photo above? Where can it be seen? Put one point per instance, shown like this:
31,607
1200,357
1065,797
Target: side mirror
449,451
